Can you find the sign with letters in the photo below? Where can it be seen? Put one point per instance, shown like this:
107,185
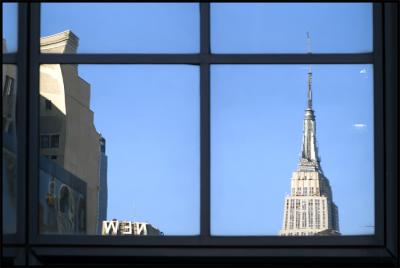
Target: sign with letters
116,227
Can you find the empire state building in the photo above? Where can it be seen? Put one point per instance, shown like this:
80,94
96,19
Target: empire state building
309,209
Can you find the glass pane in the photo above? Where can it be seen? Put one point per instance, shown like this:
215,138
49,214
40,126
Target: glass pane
119,142
10,15
9,162
282,28
269,133
121,27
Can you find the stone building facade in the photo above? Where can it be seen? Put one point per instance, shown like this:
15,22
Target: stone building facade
309,209
68,136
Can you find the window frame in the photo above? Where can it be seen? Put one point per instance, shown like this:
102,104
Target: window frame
381,248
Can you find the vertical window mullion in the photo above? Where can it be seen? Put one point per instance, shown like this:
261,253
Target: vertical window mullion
21,112
205,28
204,120
378,121
33,122
390,76
205,149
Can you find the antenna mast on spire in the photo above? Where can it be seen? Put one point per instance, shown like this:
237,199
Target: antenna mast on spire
308,43
309,106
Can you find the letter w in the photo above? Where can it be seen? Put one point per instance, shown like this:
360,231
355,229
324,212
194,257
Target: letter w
107,225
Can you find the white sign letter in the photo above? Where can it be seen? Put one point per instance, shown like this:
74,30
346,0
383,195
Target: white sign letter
141,227
126,227
107,225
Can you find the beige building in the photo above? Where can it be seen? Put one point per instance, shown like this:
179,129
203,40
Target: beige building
309,209
67,132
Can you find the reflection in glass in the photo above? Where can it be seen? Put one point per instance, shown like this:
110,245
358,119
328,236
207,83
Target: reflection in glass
10,16
9,156
277,164
281,27
125,27
119,148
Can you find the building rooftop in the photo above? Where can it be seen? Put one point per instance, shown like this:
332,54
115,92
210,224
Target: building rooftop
63,42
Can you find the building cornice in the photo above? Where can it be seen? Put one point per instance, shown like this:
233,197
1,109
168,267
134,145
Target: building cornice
66,39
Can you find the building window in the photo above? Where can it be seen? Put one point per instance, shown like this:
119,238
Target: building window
55,141
310,213
8,86
291,219
9,98
44,141
297,219
303,204
81,215
317,214
48,104
297,204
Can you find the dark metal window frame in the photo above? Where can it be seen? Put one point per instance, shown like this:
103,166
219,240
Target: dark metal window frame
28,246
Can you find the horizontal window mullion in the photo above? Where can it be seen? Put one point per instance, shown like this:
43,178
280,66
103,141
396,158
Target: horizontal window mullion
119,58
10,58
328,255
206,58
212,241
292,58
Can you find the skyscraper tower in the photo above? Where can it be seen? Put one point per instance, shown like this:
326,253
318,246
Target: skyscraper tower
309,209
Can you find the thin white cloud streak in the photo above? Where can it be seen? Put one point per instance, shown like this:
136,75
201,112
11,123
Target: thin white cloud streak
359,125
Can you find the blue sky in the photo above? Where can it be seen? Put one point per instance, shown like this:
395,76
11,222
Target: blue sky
281,27
10,12
150,114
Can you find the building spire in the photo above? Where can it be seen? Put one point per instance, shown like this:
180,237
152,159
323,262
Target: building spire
308,43
309,96
309,153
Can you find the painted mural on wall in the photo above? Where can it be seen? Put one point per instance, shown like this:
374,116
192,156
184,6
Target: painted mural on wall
62,204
